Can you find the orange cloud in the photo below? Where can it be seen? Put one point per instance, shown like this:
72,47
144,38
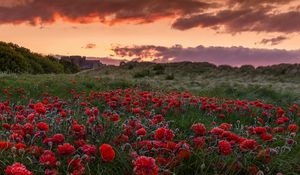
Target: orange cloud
105,11
90,46
231,16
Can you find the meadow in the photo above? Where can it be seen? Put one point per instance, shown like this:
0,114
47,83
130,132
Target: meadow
145,121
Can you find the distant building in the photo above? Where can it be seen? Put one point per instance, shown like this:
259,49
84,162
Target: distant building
82,62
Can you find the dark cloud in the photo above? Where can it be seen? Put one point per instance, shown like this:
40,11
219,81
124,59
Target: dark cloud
105,11
245,15
273,41
218,55
90,46
235,21
251,3
228,15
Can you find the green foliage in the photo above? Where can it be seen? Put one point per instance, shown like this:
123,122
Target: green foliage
69,67
159,69
16,59
11,60
225,68
170,77
142,74
247,69
128,65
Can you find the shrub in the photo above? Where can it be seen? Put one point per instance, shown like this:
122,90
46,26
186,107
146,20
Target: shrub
170,77
247,68
159,69
69,67
225,68
16,59
141,74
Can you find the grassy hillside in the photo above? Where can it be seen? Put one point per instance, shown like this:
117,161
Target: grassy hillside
181,118
16,59
111,105
208,79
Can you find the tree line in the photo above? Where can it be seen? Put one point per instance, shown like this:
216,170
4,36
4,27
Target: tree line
16,59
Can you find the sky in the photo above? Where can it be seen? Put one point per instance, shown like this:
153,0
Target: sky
234,32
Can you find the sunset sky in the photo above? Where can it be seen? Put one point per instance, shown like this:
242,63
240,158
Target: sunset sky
236,32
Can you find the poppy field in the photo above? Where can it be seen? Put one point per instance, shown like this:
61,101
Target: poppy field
143,131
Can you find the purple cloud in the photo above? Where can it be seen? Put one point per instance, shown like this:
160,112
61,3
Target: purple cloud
273,41
235,56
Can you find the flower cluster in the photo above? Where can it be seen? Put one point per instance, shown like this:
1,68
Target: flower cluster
146,133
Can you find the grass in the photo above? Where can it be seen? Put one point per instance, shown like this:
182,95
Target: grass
61,84
271,90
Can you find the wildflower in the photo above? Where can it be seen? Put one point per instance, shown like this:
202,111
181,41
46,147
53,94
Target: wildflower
266,137
290,141
141,132
40,108
51,172
225,147
293,128
145,166
66,149
17,169
42,126
260,130
20,146
58,138
199,128
225,126
248,144
199,142
162,133
159,133
89,149
4,145
28,128
217,131
48,158
107,153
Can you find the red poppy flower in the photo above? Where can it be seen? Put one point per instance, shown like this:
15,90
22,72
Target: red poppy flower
225,126
66,149
20,146
17,169
40,108
225,147
184,154
266,137
199,128
217,131
89,149
141,132
199,142
293,128
51,172
42,126
28,128
6,125
5,145
162,133
145,166
48,158
260,130
159,133
248,144
107,153
58,138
